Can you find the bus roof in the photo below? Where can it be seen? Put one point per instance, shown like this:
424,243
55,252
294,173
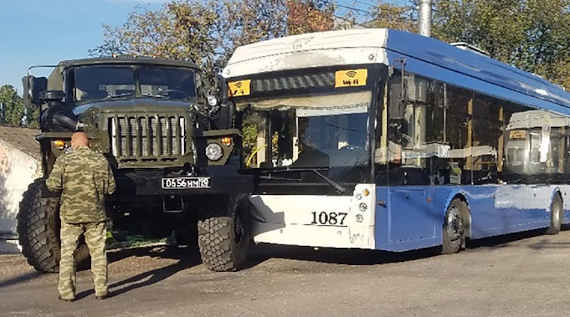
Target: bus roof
424,56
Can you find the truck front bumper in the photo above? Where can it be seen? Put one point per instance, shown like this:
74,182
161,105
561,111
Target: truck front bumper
222,180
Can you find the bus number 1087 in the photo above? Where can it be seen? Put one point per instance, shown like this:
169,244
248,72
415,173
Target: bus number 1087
328,218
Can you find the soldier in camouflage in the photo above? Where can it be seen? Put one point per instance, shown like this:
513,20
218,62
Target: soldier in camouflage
84,178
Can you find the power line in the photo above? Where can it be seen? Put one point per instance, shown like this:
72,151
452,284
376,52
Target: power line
352,8
350,21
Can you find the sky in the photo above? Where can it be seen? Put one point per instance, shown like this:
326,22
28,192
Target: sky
34,32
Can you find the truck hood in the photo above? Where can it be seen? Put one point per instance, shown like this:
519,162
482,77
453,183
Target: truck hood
143,104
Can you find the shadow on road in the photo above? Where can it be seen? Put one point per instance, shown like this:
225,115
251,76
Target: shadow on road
263,252
504,241
20,279
186,258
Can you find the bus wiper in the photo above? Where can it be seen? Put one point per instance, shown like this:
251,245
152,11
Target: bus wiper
339,188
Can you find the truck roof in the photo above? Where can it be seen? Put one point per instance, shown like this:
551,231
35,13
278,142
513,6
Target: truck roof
126,59
55,80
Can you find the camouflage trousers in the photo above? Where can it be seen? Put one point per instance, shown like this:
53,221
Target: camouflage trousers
95,235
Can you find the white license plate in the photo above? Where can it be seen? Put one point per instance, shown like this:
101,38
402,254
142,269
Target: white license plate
185,182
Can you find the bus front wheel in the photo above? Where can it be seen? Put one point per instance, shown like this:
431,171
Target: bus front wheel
454,227
555,215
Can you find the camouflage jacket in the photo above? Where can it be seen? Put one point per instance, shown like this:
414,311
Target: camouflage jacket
84,178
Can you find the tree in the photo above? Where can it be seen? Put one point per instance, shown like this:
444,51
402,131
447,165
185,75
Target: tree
179,30
387,15
12,106
306,16
531,35
207,32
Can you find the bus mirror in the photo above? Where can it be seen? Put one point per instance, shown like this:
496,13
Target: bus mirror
33,87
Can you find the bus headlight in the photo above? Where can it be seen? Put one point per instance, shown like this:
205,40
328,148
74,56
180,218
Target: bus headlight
214,151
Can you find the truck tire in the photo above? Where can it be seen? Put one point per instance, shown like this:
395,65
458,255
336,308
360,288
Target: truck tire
38,230
223,242
556,213
454,227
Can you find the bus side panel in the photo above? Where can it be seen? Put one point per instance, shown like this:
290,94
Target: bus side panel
407,218
411,217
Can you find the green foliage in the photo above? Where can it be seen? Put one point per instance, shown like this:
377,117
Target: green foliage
532,35
12,109
387,15
12,106
206,31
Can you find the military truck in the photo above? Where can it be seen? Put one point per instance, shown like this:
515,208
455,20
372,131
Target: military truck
167,136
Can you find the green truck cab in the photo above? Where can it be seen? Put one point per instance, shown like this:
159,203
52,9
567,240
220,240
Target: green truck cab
168,138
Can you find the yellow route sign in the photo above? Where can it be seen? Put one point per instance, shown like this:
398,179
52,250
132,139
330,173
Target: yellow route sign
239,88
517,134
350,78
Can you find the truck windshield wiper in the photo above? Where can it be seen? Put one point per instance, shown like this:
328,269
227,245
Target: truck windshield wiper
119,96
153,95
339,188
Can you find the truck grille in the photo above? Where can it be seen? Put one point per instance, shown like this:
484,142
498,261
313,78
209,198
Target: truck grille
147,138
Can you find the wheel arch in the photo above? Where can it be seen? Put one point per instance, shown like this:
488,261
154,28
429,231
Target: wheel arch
557,192
466,214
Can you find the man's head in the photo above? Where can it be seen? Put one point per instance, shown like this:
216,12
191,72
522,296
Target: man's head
79,139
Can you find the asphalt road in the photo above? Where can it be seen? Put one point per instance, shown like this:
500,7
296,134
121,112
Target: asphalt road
517,275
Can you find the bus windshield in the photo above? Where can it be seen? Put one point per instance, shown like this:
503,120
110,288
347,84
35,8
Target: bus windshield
327,132
97,82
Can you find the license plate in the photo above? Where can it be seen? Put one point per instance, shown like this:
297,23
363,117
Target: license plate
185,182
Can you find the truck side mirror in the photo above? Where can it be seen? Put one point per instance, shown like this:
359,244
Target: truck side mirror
33,88
222,88
52,97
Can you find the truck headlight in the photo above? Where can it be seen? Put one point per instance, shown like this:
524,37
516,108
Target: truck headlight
214,151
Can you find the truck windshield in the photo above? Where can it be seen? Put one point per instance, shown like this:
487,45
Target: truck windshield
310,132
97,82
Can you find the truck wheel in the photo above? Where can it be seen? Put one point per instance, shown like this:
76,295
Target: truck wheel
454,227
555,215
223,242
38,230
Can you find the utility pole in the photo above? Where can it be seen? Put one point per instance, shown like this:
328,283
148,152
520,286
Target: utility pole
425,18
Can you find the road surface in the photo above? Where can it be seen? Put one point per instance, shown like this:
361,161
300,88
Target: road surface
517,275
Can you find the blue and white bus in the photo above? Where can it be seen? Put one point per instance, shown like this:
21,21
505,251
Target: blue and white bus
387,140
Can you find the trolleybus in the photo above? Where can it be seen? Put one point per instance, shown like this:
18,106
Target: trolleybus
381,139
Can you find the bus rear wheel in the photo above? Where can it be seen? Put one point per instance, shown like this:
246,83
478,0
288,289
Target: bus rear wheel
555,215
454,227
